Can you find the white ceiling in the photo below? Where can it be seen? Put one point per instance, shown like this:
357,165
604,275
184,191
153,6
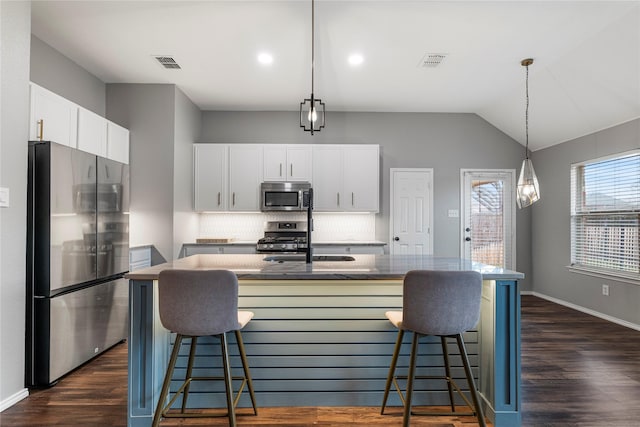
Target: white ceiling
586,74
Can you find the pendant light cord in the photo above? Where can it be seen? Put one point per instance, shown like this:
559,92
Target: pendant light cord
312,44
526,114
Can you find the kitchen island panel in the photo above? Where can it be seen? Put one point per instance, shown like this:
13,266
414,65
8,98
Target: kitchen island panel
318,340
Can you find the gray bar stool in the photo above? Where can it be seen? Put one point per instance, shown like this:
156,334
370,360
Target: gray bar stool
438,303
202,303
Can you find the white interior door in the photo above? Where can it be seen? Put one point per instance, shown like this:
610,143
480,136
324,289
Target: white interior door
411,211
488,217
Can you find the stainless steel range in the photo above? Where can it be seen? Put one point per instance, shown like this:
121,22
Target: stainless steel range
284,236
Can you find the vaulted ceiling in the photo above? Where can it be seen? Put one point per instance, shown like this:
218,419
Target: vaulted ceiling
586,74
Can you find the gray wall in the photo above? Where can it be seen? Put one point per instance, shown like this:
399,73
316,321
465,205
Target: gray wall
444,142
147,110
163,125
551,226
188,119
15,30
54,71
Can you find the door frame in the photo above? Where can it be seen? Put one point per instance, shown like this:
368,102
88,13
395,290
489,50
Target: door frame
391,206
511,173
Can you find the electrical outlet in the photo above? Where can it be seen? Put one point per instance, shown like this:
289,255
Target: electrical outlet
605,290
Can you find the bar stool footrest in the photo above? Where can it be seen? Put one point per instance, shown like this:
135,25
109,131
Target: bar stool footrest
431,377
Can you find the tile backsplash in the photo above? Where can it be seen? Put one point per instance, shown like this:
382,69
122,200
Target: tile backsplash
250,226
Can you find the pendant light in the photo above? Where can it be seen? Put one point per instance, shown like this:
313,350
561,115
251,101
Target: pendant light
528,190
312,109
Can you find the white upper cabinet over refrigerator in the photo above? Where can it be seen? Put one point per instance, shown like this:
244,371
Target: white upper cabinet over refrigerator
52,118
117,143
289,162
92,132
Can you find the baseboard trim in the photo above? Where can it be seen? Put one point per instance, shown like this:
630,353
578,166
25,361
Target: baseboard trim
12,400
584,310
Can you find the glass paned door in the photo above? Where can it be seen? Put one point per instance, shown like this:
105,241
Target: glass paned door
488,217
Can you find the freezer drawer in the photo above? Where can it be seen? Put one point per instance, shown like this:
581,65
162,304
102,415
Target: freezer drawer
82,324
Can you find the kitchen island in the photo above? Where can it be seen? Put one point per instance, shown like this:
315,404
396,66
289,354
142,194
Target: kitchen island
319,336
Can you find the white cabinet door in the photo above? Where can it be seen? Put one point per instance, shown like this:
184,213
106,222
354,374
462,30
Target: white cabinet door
299,165
287,162
361,178
52,118
210,177
245,175
275,163
327,178
92,132
117,143
346,178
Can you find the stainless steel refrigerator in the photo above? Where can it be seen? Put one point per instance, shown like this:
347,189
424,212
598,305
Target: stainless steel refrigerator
77,254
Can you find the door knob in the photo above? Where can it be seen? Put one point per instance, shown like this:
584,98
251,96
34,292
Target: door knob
396,238
468,239
467,229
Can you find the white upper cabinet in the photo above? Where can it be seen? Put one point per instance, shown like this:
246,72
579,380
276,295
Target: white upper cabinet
210,177
346,178
361,169
52,118
287,162
327,178
117,143
245,176
92,132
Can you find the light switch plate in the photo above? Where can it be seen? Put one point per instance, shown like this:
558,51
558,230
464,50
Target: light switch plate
4,197
453,213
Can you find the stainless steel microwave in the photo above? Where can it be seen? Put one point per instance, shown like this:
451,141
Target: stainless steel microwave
283,196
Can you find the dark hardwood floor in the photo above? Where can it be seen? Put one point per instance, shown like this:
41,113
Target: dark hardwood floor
577,370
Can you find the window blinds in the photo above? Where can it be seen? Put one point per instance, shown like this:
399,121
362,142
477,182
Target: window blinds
605,215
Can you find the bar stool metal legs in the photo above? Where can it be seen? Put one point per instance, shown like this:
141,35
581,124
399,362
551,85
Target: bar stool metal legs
247,374
391,375
163,410
451,385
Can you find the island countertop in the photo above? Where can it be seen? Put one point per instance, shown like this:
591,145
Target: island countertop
362,267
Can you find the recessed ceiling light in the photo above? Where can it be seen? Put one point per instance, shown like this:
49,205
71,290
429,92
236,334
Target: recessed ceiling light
265,58
355,59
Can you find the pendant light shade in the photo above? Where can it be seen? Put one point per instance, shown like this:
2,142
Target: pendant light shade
527,189
312,109
312,114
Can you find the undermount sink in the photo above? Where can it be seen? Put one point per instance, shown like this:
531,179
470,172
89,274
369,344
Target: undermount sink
283,258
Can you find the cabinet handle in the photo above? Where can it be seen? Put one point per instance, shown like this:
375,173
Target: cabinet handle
233,201
351,198
291,174
338,198
40,128
280,169
218,198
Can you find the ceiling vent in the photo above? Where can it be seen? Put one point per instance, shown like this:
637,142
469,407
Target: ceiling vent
167,62
432,60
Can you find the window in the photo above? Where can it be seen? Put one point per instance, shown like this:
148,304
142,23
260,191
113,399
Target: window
605,215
